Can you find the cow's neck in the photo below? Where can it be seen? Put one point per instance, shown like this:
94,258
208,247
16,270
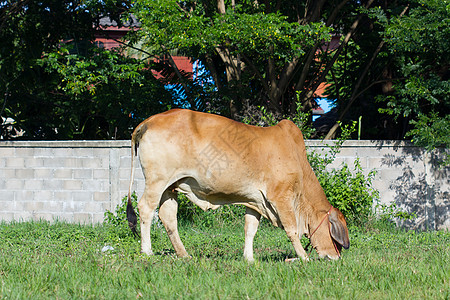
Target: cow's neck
315,203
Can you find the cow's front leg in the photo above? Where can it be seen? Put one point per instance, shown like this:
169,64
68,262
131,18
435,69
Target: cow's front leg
252,218
168,215
292,234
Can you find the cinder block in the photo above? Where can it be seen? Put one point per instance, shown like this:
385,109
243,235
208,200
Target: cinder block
71,163
124,184
7,174
63,173
107,206
381,186
375,163
5,205
62,196
73,206
82,196
98,218
125,162
125,173
347,152
34,206
6,152
389,176
139,185
82,218
63,152
34,162
15,162
23,195
101,174
93,163
93,207
102,152
53,206
388,197
43,195
83,152
72,184
367,152
8,196
139,175
15,184
24,152
45,174
54,162
53,185
101,196
32,184
43,152
95,185
82,173
24,173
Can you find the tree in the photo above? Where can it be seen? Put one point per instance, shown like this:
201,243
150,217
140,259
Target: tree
419,42
263,52
58,85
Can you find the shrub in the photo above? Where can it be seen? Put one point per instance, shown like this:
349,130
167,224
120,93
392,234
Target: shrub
351,192
119,218
188,212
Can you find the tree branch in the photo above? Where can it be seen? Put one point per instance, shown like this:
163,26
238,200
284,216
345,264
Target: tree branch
355,95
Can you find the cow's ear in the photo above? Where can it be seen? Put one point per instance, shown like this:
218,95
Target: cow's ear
338,228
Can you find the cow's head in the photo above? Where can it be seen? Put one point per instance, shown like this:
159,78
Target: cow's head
331,235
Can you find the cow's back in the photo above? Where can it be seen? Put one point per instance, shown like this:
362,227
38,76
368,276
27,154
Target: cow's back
222,155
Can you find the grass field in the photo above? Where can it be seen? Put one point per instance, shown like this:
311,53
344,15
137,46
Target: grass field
42,260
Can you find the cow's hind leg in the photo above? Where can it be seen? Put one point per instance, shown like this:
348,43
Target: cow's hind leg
147,206
168,215
252,218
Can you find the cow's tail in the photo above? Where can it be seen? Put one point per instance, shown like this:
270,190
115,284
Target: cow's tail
131,214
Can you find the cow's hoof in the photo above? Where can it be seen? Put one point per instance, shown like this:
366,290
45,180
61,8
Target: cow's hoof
290,260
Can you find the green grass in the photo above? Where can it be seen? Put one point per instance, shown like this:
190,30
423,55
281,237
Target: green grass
42,260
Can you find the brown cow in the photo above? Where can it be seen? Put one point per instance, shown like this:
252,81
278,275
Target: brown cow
215,161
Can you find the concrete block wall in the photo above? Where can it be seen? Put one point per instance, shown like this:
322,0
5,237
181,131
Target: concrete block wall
69,181
77,181
406,175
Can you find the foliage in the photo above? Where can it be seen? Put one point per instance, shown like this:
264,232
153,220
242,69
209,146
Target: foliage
67,261
188,213
262,53
272,55
431,131
420,45
386,213
261,116
118,218
351,192
71,90
108,93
